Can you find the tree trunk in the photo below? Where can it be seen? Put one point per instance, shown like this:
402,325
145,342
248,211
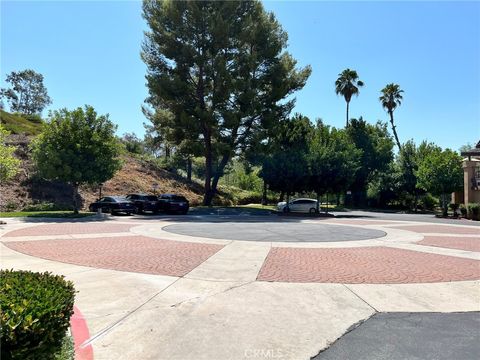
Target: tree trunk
348,105
282,196
415,200
318,202
189,169
326,205
264,193
288,201
207,199
444,205
219,173
75,196
394,129
338,199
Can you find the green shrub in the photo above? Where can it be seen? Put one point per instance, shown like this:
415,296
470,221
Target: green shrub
454,207
35,314
428,202
463,210
11,206
35,118
473,210
44,206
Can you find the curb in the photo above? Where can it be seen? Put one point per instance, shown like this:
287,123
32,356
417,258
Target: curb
80,334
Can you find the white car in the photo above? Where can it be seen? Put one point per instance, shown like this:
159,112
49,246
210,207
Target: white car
298,205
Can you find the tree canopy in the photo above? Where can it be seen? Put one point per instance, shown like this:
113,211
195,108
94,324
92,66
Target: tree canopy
285,169
440,172
77,147
219,69
333,161
376,148
27,95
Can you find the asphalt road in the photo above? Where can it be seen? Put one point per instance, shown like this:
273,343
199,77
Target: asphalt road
412,336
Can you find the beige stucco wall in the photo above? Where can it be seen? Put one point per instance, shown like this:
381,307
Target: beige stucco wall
470,195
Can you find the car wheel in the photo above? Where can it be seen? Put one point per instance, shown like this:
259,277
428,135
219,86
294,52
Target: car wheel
313,211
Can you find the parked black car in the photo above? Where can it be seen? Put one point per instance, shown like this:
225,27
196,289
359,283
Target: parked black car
113,205
143,202
171,203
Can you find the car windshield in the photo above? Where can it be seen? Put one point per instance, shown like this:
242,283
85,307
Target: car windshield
151,198
120,199
178,198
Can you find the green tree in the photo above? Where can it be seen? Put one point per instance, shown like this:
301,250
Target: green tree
333,161
392,98
466,147
286,168
441,173
221,70
376,146
348,85
133,144
77,147
27,94
408,161
8,163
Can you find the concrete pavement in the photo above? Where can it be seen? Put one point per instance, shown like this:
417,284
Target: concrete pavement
218,308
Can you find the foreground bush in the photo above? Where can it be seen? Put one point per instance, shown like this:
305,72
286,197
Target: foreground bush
473,210
35,314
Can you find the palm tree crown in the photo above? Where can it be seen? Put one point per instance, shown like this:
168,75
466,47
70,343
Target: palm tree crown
348,85
392,98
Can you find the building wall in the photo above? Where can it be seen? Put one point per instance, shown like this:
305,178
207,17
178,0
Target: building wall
471,194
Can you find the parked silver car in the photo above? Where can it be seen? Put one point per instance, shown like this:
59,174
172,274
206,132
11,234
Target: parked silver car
302,205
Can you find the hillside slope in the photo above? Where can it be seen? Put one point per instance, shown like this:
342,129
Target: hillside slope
135,176
17,124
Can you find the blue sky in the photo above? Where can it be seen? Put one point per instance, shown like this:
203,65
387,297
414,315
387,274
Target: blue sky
89,52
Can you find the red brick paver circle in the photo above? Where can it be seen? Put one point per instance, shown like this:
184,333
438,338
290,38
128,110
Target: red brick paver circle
460,243
372,265
441,229
71,228
127,253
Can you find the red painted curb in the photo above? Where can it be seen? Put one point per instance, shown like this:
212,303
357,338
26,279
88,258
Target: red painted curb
80,334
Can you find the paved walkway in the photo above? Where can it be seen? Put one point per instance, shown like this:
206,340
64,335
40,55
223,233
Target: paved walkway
147,293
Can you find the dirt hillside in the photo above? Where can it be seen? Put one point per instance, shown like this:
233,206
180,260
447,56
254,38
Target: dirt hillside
135,176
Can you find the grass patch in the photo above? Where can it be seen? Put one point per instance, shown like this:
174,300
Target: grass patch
46,214
258,206
67,352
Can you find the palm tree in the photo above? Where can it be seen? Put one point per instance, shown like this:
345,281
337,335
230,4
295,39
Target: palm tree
390,99
347,85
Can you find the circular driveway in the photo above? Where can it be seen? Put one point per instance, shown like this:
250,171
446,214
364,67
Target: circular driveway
333,251
274,231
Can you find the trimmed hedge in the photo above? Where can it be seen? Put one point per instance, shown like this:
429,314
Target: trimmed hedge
35,314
